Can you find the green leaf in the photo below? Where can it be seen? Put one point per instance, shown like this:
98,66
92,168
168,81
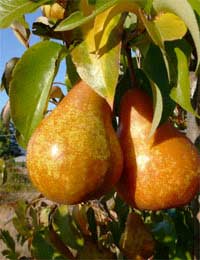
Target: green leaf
158,107
12,10
65,226
20,221
184,10
72,76
195,5
92,223
7,239
154,68
78,18
30,86
152,30
165,231
181,93
9,254
40,247
100,68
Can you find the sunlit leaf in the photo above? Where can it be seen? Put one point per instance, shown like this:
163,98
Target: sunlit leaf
195,5
158,108
181,93
100,68
78,18
152,30
148,6
12,10
184,10
30,86
170,26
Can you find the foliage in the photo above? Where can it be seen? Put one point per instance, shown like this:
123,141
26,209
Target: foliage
111,45
105,229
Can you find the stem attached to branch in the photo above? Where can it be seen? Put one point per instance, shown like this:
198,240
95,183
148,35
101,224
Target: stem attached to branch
130,66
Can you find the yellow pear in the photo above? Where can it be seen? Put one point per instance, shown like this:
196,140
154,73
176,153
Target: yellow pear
74,154
159,172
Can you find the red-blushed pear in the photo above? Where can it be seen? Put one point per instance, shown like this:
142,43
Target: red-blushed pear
160,172
74,154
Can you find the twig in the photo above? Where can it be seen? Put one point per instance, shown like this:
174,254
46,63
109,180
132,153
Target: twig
130,66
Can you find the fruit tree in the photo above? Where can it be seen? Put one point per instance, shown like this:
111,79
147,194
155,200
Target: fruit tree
116,162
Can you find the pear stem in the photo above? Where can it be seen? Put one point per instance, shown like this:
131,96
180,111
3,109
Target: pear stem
130,66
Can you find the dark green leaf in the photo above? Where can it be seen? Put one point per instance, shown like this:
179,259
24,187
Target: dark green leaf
66,228
30,86
12,10
10,254
20,221
92,223
165,231
154,68
72,76
7,239
40,247
172,59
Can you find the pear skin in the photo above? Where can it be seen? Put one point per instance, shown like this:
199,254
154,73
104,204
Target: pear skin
160,172
74,154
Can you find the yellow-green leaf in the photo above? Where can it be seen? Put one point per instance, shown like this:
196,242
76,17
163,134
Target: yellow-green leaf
100,68
181,93
79,17
13,10
184,10
152,30
158,107
170,26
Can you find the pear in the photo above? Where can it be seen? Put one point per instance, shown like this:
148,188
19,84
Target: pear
74,154
161,171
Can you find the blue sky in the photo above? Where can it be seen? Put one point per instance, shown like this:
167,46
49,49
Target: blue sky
10,47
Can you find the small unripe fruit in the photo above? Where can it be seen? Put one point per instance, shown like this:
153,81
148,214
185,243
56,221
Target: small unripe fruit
54,11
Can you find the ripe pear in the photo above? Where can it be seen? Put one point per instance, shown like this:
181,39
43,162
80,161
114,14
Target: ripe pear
161,171
74,154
